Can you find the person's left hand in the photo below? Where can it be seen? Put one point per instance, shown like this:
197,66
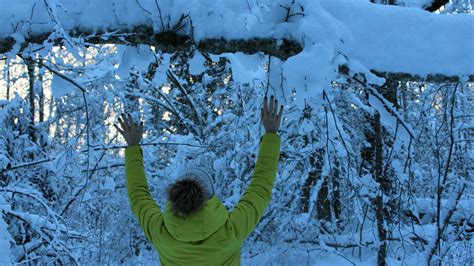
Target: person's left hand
131,133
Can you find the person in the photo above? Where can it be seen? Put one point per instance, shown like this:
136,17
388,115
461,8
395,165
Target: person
196,228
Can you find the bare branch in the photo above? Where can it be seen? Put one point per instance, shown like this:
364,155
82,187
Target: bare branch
175,80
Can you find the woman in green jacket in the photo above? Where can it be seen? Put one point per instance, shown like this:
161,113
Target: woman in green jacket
196,228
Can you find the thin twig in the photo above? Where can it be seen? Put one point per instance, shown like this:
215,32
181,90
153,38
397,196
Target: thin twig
18,166
151,144
441,186
339,132
83,90
142,8
89,175
161,17
445,223
175,80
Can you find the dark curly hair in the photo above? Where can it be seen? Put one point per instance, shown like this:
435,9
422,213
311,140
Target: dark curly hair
185,196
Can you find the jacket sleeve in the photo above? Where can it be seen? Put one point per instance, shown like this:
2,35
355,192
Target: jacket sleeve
256,198
142,203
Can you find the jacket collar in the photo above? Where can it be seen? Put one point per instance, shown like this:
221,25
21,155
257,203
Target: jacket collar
199,225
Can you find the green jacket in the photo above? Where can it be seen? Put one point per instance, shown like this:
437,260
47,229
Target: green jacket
211,236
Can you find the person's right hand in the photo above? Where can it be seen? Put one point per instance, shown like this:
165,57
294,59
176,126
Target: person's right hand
271,119
131,132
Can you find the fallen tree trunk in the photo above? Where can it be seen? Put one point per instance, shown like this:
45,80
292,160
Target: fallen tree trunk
435,5
167,41
430,78
170,42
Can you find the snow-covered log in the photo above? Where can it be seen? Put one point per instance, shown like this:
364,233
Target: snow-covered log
402,41
166,41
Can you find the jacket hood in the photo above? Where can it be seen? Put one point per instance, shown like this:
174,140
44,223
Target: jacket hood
199,225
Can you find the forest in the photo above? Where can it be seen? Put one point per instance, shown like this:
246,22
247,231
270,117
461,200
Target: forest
377,160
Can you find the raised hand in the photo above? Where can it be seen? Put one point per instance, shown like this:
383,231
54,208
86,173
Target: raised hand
131,133
271,119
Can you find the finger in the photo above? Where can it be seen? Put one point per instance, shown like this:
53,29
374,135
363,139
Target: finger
115,125
281,112
271,105
125,122
118,129
140,128
265,108
275,110
122,124
130,122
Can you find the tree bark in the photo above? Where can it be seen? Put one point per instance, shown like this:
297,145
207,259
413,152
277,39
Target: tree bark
31,95
435,5
389,91
432,78
40,90
379,206
7,79
322,204
168,42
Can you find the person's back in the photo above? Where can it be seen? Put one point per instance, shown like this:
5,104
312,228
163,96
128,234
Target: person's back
211,235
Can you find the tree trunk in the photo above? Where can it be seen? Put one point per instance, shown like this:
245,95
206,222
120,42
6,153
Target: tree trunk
168,42
389,91
40,90
50,111
7,78
379,206
313,176
404,100
435,5
31,77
